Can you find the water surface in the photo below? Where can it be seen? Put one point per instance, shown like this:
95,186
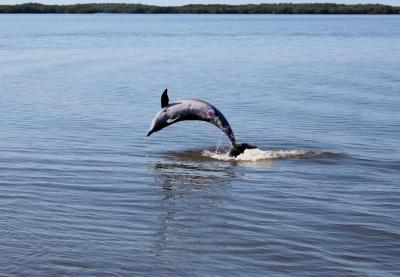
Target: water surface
83,192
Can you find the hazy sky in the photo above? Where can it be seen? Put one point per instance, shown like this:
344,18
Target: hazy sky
183,2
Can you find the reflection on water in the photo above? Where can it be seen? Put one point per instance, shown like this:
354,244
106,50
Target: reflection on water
190,193
185,176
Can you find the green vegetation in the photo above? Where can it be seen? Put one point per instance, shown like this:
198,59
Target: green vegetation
204,9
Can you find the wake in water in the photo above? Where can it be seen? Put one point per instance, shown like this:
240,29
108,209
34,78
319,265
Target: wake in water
254,155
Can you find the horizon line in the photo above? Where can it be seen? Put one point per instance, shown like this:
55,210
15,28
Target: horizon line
209,4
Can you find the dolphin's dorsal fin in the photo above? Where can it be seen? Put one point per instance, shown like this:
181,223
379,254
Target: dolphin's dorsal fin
164,98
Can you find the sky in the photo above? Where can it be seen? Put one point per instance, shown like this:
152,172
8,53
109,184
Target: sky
183,2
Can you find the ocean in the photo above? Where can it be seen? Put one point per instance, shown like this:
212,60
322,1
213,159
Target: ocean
84,192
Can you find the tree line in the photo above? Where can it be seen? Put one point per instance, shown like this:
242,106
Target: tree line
281,8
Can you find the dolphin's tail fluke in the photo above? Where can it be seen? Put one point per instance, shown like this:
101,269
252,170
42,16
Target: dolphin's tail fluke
238,149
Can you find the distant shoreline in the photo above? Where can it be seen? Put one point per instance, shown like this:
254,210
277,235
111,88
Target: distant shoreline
120,8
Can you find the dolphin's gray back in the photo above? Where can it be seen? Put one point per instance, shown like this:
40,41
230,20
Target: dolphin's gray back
193,109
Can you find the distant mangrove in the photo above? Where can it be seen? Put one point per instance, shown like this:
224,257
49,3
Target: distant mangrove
281,8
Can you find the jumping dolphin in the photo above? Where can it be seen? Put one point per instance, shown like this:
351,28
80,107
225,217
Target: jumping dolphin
193,109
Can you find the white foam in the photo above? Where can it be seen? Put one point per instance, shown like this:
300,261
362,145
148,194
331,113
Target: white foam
254,155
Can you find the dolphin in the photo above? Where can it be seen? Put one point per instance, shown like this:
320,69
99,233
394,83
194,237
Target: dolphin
194,109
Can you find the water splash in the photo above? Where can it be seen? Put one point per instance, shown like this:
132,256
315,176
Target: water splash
254,155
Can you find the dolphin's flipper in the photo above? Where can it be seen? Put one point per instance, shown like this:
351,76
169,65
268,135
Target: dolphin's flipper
172,120
164,98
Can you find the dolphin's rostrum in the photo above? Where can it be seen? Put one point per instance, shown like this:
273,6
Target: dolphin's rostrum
193,109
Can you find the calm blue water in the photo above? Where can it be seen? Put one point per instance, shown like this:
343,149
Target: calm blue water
83,191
